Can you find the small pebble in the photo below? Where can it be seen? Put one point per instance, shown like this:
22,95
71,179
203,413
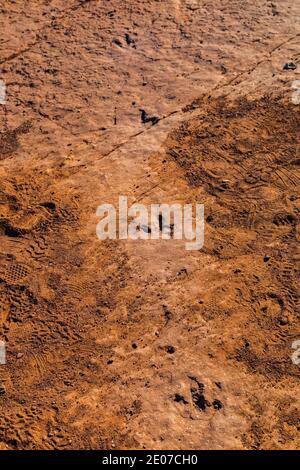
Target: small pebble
289,66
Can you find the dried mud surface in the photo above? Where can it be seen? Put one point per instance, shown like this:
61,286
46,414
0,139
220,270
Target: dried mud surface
142,344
